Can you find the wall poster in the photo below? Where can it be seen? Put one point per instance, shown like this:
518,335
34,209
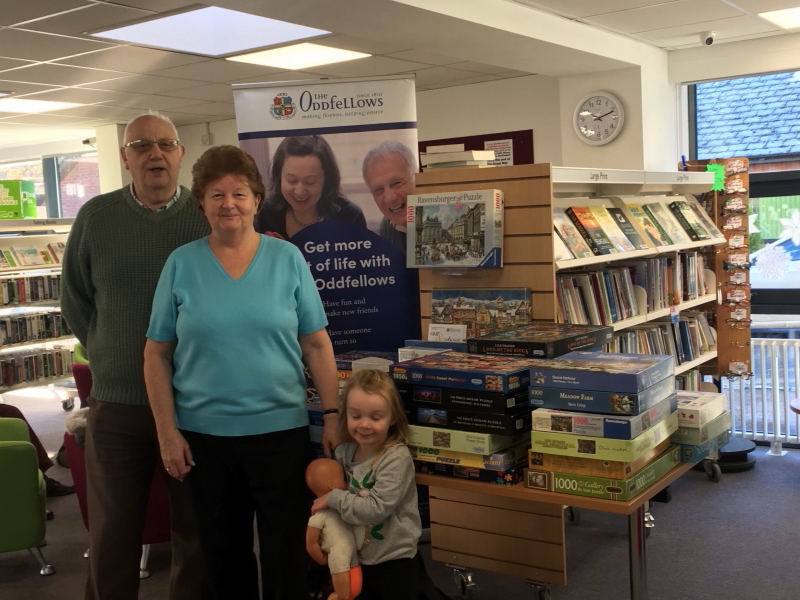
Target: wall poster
338,159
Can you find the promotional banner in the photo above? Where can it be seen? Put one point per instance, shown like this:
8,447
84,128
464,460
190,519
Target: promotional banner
338,161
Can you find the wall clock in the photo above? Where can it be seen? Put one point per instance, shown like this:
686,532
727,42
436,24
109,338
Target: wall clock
598,118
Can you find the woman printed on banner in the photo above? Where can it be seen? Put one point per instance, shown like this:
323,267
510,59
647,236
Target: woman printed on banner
304,188
235,317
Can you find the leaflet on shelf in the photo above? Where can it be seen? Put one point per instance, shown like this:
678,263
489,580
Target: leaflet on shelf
617,427
694,436
602,402
541,340
461,441
591,466
600,487
567,444
605,371
490,402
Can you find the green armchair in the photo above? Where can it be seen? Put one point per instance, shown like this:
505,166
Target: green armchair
22,495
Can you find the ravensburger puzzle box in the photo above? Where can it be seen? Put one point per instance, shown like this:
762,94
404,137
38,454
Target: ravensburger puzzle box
539,461
460,441
499,461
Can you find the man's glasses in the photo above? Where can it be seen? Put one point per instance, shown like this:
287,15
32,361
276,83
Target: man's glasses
144,146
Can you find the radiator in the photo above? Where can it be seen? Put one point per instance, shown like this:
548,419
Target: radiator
760,405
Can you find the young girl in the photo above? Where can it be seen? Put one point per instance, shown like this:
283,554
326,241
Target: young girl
382,495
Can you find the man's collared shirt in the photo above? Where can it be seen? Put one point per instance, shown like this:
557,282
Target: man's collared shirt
160,208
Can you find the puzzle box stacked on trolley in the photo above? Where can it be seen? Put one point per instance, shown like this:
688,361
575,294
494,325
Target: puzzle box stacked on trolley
703,424
471,410
617,442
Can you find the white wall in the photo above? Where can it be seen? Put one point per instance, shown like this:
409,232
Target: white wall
493,107
627,150
661,100
224,132
113,174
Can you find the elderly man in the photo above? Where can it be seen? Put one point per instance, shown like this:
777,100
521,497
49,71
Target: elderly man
388,170
114,256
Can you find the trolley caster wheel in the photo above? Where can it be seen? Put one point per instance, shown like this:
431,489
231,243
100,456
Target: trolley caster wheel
464,581
713,471
68,404
544,595
540,592
144,574
573,515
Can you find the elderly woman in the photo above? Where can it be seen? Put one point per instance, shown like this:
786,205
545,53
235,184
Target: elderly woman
304,188
235,316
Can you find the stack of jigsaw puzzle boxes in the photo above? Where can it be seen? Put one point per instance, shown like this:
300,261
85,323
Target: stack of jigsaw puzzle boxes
703,424
602,424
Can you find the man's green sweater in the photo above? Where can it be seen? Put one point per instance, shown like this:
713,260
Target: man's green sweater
114,256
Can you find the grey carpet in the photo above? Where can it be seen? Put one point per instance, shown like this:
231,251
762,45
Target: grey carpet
734,540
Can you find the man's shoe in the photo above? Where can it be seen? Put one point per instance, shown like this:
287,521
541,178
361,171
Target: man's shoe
56,488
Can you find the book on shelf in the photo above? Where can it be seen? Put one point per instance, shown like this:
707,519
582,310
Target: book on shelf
28,255
663,216
590,230
627,228
567,232
441,148
654,232
703,217
560,250
57,250
613,231
687,339
432,158
458,163
7,261
688,220
599,297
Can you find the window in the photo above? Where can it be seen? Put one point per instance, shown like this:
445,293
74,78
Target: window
78,181
757,117
29,170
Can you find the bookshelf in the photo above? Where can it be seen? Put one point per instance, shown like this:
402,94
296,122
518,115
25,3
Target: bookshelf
531,192
35,287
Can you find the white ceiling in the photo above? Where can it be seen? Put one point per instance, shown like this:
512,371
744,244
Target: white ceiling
45,55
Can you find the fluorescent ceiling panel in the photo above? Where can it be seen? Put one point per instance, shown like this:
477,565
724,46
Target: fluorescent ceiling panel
211,31
4,94
788,18
299,56
24,105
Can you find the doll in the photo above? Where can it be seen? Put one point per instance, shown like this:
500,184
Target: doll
329,540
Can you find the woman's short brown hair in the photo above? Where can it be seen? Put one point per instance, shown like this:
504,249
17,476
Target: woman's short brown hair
219,161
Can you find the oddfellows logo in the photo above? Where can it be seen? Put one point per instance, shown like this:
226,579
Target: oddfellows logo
282,107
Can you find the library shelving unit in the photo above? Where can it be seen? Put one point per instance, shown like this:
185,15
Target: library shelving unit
39,233
511,529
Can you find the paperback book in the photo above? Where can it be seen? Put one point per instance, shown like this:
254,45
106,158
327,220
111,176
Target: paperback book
703,217
654,232
591,466
662,216
27,255
603,371
482,310
455,229
477,421
695,409
627,228
618,427
688,220
604,448
611,229
601,402
480,372
441,397
511,476
590,230
461,441
603,488
540,340
566,230
57,250
499,461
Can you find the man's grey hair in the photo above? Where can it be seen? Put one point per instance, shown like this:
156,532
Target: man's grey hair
387,149
157,115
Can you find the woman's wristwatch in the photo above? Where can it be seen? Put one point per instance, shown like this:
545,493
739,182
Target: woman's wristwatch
330,411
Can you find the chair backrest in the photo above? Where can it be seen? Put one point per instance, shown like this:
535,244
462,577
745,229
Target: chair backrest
83,381
22,509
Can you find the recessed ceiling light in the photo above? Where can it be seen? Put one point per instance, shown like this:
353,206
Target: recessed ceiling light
299,56
788,18
23,105
210,31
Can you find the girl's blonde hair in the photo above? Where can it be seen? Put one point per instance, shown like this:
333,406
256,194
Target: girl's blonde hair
372,381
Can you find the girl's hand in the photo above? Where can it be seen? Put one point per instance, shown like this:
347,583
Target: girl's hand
175,454
320,503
